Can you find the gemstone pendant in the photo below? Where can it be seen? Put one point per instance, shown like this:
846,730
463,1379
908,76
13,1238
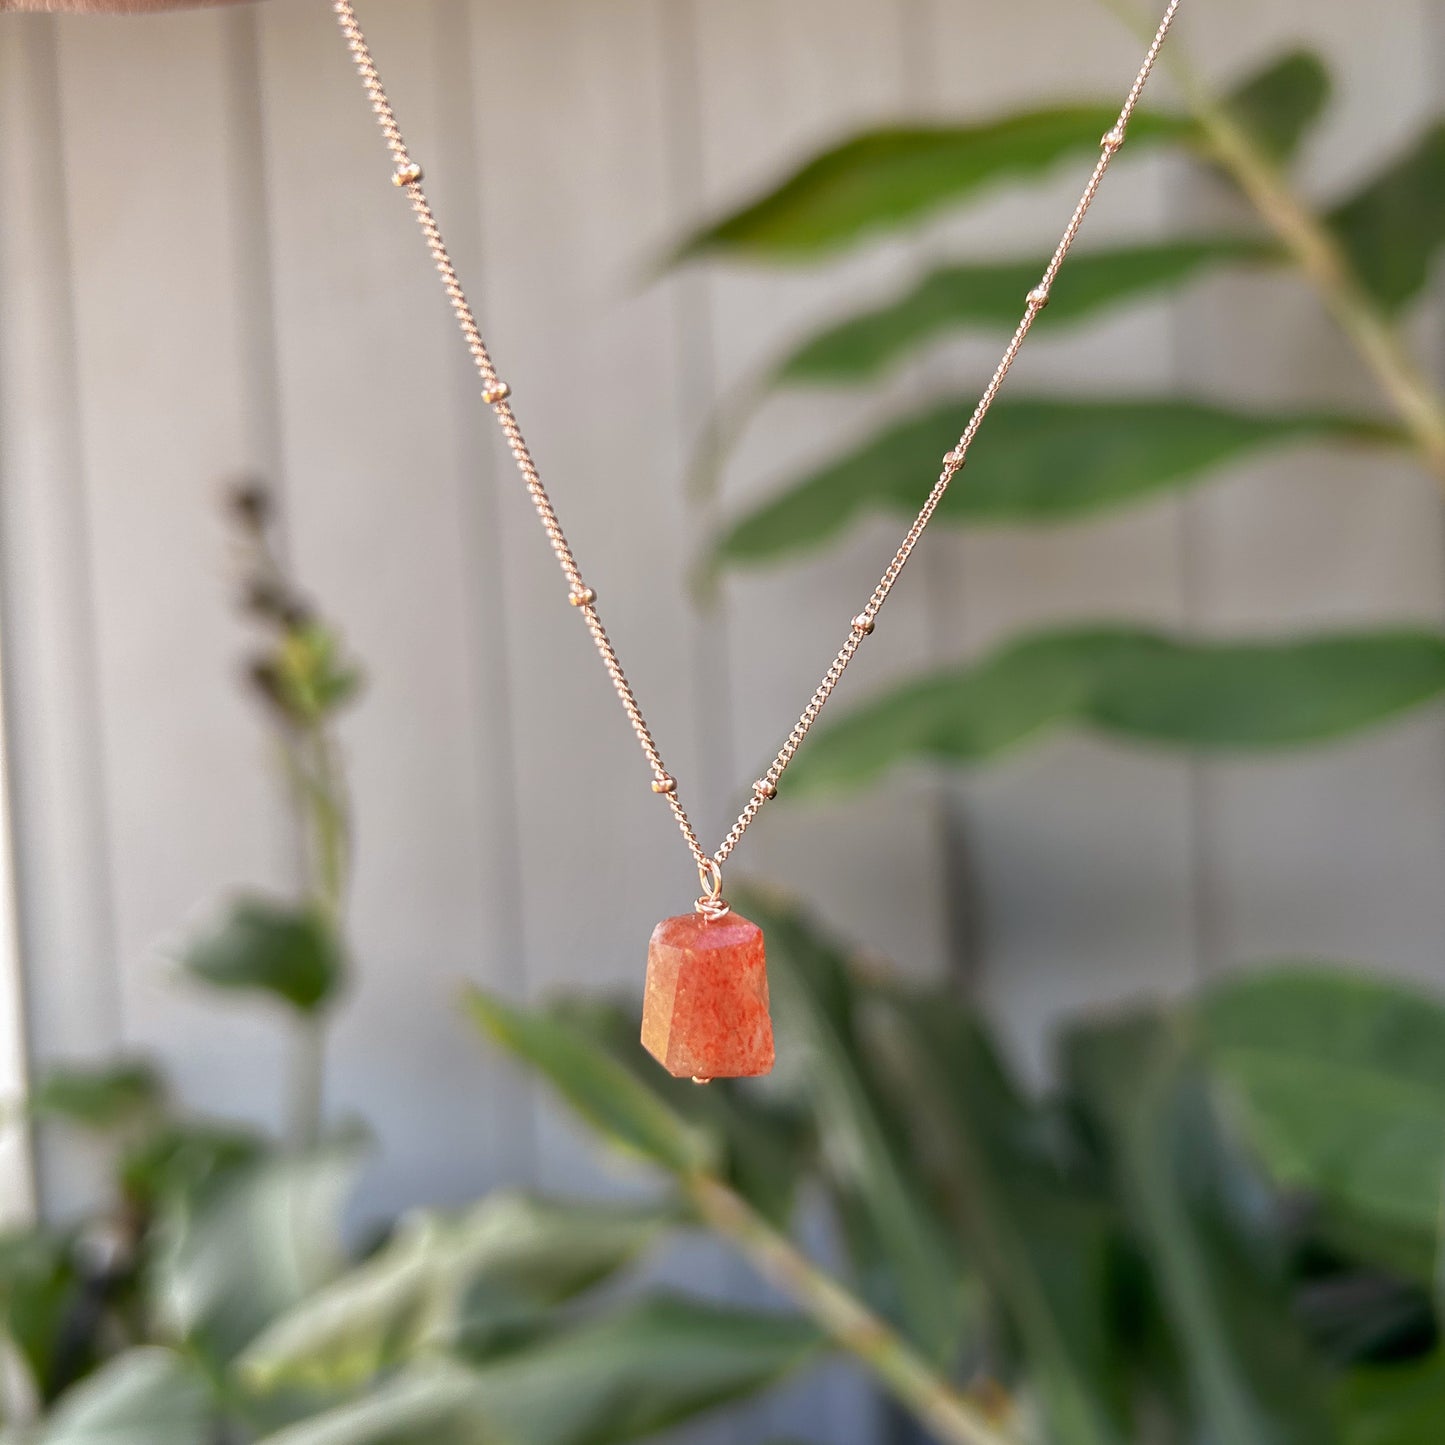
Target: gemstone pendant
705,1012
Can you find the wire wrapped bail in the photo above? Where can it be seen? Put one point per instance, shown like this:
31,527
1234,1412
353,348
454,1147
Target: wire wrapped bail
711,904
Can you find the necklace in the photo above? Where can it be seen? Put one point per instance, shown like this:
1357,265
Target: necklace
705,1012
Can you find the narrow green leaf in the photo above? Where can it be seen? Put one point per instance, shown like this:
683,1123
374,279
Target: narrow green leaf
272,948
907,1265
991,294
1035,460
143,1397
886,178
99,1096
765,1145
1133,683
1041,1236
468,1282
1338,1082
234,1258
1280,103
622,1377
1268,694
606,1095
1251,1377
1393,228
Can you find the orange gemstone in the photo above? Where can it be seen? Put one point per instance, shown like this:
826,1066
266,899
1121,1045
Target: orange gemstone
705,1013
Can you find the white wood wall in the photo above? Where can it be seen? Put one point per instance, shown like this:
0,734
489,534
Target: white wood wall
204,272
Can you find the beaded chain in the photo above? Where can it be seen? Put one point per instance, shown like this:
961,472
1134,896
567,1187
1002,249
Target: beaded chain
407,175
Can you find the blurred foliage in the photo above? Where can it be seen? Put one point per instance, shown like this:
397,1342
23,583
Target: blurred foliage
1048,460
1219,1224
215,1297
292,953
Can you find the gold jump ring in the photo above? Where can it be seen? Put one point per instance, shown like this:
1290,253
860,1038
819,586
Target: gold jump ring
711,903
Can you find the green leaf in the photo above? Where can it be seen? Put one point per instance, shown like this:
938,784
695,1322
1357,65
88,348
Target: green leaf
910,1271
1270,694
186,1158
1251,1378
887,178
435,1403
765,1145
1394,226
468,1282
604,1093
308,676
618,1378
1279,104
1337,1080
1040,1235
1036,460
991,294
40,1290
262,946
1132,683
143,1397
234,1258
648,1366
1398,1404
101,1097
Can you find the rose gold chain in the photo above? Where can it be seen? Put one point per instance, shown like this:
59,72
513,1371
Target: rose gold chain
407,174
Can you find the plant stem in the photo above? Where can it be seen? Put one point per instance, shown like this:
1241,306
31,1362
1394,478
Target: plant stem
306,1094
850,1324
321,798
1325,265
327,802
1312,247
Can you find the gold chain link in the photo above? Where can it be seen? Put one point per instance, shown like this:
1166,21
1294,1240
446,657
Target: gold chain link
407,174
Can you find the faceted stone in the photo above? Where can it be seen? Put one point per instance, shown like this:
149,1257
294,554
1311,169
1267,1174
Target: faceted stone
705,1012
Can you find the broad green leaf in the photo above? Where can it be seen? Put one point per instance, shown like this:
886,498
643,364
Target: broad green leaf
1393,228
1397,1404
1337,1080
608,1096
621,1377
887,178
143,1397
991,294
99,1096
290,952
765,1145
40,1290
1041,1235
1035,460
232,1259
186,1157
909,1269
1132,683
1280,103
447,1282
1251,1377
